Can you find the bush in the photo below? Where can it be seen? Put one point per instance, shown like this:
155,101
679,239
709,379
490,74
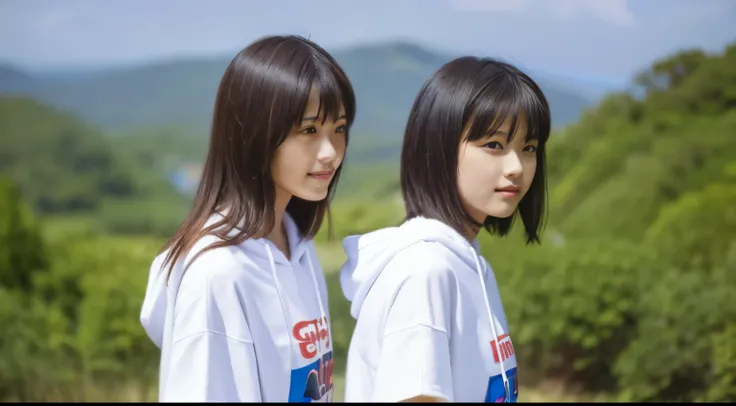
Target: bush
697,229
75,335
683,348
35,349
33,332
619,317
21,250
571,309
109,340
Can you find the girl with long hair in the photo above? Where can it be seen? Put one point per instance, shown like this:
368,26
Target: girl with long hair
237,300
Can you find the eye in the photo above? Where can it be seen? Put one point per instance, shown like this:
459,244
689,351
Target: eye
530,148
341,129
494,145
308,130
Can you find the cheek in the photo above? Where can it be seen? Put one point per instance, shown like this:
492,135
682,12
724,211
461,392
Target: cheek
339,143
478,173
530,169
477,176
288,163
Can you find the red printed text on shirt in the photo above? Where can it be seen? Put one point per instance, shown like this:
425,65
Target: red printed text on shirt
309,333
505,348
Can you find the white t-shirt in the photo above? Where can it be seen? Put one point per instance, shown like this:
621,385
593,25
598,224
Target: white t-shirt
425,302
242,324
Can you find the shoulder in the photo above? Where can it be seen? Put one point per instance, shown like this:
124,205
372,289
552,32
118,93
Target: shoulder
219,264
420,275
423,261
423,290
219,273
210,296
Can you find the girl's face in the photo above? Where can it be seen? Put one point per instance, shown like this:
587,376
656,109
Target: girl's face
305,163
494,174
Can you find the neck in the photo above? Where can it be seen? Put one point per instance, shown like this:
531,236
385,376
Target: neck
471,232
282,200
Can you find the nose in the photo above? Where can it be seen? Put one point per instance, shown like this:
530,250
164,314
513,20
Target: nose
512,165
327,152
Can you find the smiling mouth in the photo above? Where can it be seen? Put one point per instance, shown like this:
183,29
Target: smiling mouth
511,190
322,175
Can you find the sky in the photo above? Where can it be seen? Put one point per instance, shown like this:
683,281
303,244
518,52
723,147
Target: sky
609,40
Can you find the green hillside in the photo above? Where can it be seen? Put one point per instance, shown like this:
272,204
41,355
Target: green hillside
386,78
62,164
637,156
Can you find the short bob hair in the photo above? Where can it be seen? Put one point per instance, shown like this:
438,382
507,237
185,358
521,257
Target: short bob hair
479,94
262,95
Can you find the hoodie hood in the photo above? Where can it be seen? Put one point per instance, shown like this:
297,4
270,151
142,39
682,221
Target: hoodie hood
368,254
162,289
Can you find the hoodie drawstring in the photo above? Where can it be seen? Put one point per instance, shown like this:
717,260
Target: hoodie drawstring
321,307
323,317
280,292
493,323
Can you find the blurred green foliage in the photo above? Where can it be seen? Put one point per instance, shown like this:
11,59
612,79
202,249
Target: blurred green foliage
631,293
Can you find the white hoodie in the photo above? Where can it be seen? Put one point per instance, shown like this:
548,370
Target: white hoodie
429,318
242,324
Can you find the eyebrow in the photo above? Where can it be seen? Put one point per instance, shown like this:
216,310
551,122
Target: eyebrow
314,118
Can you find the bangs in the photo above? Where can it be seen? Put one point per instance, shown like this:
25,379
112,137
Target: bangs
508,98
334,91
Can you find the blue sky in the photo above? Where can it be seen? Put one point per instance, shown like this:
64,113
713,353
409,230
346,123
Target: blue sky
601,39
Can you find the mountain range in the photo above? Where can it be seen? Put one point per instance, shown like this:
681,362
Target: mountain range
181,92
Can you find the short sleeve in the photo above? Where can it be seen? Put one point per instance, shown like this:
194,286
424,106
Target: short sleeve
210,367
212,357
415,352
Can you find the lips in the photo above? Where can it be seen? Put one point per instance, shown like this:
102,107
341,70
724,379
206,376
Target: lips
322,175
508,189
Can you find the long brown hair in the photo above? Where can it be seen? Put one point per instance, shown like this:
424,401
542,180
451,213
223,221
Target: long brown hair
262,95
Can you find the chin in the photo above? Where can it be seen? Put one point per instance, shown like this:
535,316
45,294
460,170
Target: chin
501,212
312,195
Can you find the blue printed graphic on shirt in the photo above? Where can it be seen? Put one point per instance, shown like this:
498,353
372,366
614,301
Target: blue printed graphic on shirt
496,393
313,382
